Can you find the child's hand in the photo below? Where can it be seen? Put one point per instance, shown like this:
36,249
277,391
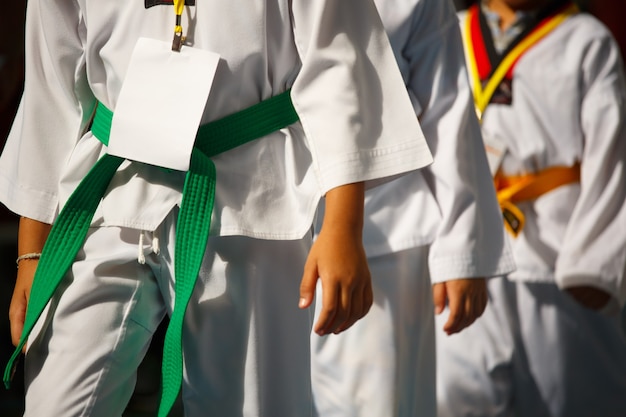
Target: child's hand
19,301
589,297
466,299
338,259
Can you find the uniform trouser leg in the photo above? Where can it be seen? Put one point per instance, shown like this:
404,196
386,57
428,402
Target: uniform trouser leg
384,365
475,366
576,356
245,339
534,352
83,354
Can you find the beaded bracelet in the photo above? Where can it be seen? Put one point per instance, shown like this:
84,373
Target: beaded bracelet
32,255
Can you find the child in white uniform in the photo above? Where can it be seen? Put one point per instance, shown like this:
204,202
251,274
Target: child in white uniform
244,342
441,223
553,111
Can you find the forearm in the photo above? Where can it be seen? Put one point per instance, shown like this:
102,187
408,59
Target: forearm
32,236
344,209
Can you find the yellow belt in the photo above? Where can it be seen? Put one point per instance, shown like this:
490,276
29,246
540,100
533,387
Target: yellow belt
515,189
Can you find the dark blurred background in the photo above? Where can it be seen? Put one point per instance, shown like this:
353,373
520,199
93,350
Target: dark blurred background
143,403
11,82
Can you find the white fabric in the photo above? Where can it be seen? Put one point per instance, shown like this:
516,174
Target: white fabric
356,120
384,365
534,352
245,340
451,203
439,223
569,105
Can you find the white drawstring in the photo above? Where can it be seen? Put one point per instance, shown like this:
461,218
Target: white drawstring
141,258
156,248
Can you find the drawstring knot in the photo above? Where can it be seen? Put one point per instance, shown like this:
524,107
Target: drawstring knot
155,247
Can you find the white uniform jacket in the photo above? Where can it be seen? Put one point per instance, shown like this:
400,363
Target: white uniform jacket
356,120
450,204
568,106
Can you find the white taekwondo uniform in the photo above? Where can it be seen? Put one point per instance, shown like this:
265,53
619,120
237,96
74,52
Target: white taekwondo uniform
246,344
535,351
439,223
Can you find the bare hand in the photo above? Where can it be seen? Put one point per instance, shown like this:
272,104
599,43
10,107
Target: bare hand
466,299
19,301
589,297
338,259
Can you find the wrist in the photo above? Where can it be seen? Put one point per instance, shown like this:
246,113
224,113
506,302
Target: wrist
344,208
30,256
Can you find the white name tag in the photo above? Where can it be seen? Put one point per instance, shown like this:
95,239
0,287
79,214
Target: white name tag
161,103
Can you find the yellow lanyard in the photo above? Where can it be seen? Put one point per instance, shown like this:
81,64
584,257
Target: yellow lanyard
483,96
177,43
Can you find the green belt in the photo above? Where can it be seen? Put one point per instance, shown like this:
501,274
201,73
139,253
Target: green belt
70,228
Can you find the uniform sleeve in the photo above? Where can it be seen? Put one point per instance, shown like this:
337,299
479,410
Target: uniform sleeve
54,109
594,247
350,96
470,240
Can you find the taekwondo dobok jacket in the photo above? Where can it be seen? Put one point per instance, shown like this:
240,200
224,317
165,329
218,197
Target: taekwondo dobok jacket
569,106
356,121
451,204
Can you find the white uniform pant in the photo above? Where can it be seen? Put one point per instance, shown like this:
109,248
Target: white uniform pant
245,341
535,352
384,365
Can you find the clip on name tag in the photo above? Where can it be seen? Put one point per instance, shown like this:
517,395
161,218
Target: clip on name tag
161,102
